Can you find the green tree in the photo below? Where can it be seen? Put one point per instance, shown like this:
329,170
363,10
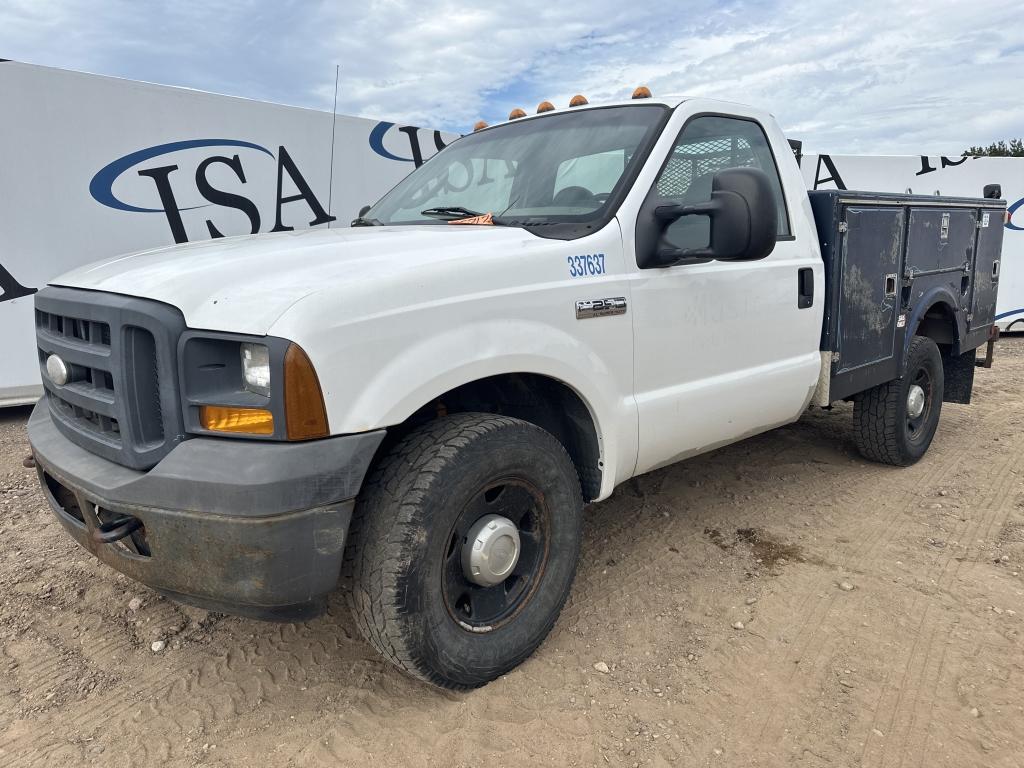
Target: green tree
1013,148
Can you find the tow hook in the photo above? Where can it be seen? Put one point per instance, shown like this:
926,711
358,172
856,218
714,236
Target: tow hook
115,530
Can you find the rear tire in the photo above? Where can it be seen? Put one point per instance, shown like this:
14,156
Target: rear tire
892,424
410,590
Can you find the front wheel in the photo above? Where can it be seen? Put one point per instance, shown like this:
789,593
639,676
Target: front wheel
894,423
464,547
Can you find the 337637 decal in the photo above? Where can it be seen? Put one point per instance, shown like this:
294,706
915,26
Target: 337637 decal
586,265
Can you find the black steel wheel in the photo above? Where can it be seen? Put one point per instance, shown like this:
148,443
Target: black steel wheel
476,603
464,546
919,403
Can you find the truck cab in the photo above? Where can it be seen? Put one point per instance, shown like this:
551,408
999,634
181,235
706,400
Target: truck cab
417,407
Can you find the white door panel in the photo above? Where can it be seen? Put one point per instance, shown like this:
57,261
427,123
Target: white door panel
722,350
716,358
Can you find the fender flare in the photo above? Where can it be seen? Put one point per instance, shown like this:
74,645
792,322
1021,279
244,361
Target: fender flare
932,298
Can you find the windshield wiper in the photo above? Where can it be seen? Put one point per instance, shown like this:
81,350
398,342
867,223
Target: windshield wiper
449,211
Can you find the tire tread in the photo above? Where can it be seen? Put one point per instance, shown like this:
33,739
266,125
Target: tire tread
383,528
877,416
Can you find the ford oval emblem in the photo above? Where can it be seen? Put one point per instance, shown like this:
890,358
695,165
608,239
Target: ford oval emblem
57,370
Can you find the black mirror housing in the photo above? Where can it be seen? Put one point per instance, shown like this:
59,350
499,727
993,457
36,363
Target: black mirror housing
744,220
363,211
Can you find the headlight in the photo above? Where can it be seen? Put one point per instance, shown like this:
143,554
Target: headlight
256,368
226,387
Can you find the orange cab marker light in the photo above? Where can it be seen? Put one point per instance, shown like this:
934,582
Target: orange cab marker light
642,92
578,100
545,106
479,125
516,113
304,409
244,421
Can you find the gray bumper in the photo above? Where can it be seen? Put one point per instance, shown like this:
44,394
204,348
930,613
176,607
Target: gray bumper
255,528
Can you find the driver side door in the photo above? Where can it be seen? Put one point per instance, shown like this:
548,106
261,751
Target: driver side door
723,349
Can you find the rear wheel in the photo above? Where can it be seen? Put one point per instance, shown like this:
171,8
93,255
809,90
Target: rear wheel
464,547
894,423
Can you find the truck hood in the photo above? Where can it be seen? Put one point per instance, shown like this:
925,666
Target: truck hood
243,284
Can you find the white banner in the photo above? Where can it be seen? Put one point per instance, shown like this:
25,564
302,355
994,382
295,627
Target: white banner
957,176
93,167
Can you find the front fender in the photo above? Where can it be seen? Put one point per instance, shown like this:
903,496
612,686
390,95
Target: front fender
382,375
486,349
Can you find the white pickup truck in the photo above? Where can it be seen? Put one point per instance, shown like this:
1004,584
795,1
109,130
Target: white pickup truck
419,406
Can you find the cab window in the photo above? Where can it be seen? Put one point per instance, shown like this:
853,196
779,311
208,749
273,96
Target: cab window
705,146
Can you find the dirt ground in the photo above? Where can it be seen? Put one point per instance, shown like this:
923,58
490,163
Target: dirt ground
777,603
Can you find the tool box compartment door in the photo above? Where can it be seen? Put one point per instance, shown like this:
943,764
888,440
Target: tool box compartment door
940,252
986,268
871,256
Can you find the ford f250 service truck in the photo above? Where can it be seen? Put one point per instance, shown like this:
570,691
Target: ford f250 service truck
418,407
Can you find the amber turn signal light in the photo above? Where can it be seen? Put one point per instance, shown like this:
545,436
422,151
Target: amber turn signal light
303,401
245,421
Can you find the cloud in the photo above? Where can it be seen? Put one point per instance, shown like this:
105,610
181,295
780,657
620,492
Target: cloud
921,76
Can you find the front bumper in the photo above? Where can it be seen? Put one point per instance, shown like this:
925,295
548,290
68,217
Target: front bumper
247,527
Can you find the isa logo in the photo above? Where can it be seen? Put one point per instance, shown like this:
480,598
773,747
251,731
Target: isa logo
1010,223
404,143
161,180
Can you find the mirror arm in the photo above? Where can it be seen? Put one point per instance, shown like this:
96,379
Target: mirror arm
666,214
673,257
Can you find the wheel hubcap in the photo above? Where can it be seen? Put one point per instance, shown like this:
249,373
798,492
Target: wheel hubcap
495,554
915,401
491,550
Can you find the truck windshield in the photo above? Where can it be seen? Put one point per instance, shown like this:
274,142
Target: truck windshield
561,168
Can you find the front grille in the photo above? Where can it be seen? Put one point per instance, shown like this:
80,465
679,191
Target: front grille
120,400
88,398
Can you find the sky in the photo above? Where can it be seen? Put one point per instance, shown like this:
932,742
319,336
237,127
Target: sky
874,77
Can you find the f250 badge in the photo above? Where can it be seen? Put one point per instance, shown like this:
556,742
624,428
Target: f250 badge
586,265
600,307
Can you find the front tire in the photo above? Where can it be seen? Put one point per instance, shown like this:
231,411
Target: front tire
428,588
894,423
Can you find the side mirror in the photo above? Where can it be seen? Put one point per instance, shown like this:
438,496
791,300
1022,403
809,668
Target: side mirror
744,219
993,191
363,211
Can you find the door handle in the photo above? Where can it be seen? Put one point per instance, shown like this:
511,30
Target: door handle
805,287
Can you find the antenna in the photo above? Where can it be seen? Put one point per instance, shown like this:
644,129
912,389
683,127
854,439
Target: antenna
334,125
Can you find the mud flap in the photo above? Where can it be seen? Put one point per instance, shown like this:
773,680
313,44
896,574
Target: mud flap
958,377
